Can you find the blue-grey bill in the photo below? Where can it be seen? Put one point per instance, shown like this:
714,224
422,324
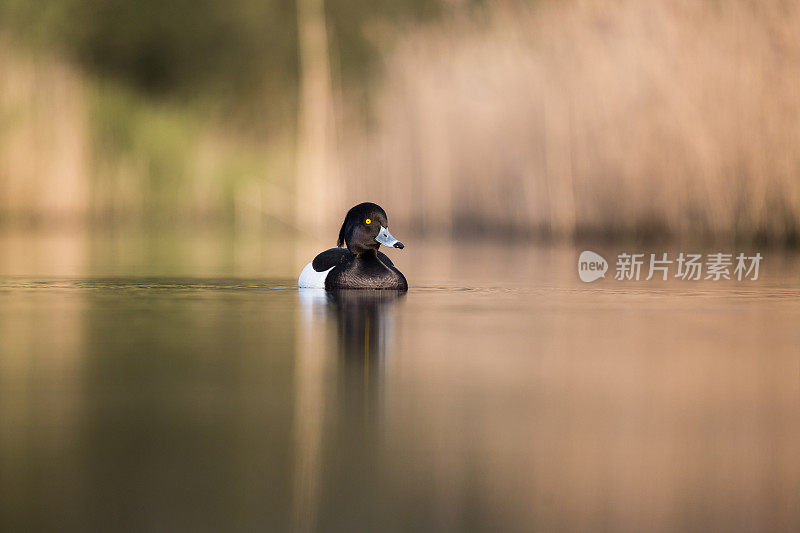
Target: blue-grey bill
386,239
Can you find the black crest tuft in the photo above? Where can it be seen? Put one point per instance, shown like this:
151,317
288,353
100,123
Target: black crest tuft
340,241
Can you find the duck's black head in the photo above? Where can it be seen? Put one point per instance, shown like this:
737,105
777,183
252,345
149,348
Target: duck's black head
365,228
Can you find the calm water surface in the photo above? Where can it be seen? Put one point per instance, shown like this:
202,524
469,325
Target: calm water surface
495,395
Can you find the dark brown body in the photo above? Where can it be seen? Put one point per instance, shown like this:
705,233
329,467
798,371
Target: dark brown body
367,270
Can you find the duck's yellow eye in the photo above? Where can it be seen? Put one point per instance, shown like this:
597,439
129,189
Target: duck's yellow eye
368,221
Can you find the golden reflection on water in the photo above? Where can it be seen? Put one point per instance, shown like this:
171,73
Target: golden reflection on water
493,396
575,408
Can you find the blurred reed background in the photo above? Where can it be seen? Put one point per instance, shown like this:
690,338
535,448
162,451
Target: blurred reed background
542,119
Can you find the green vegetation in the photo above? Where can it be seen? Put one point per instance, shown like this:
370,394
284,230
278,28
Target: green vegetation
179,110
235,51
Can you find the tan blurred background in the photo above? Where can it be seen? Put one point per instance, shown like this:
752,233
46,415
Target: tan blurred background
542,119
215,146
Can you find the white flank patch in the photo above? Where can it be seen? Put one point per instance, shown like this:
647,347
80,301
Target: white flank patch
311,279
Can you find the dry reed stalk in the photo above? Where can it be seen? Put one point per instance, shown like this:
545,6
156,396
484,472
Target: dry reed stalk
614,118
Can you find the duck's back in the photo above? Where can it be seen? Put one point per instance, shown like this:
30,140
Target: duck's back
316,272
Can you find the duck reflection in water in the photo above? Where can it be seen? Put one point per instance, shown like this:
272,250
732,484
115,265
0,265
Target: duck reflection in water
343,391
365,324
364,321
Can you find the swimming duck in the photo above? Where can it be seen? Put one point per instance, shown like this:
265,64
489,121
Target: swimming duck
360,265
